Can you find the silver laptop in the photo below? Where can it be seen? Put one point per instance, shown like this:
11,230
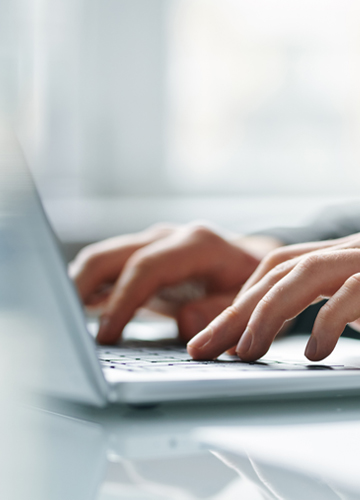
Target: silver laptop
36,288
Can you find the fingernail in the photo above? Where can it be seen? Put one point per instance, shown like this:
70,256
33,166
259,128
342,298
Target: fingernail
244,343
311,348
201,339
103,328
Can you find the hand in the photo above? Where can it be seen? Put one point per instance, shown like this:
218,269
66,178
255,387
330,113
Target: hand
286,282
122,274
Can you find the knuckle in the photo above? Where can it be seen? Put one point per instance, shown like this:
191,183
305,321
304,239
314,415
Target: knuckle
230,314
311,263
265,305
325,312
268,307
200,234
89,257
161,229
198,230
280,269
353,282
276,257
140,262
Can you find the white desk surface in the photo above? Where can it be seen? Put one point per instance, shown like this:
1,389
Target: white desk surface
73,452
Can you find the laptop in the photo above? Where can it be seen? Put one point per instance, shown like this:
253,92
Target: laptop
69,364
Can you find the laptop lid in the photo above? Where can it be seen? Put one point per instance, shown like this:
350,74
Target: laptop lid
37,291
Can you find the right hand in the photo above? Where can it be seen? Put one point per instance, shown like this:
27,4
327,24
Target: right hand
122,274
286,282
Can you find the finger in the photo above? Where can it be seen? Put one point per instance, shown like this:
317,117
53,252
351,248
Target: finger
317,275
282,254
270,303
355,325
101,263
188,253
342,308
231,351
224,332
352,241
282,332
195,316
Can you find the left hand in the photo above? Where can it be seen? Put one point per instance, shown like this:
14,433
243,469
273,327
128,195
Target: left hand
124,273
286,282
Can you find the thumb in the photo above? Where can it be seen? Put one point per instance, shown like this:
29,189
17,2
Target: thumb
196,315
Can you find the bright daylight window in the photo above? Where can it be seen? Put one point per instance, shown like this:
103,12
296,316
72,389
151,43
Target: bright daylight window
134,97
264,96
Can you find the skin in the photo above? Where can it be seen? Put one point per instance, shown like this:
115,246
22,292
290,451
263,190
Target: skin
122,274
276,284
286,282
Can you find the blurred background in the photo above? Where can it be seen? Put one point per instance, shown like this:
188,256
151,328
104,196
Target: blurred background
243,112
129,112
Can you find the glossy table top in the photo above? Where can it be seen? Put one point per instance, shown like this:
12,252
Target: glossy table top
83,453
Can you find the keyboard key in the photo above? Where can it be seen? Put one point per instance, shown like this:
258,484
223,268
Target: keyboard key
133,356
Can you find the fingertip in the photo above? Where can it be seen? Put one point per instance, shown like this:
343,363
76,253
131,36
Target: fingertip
106,333
251,346
244,344
311,350
196,345
218,336
317,351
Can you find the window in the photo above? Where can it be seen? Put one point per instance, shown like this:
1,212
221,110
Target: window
149,97
263,96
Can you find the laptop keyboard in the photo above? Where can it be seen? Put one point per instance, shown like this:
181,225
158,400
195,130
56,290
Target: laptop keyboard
150,356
